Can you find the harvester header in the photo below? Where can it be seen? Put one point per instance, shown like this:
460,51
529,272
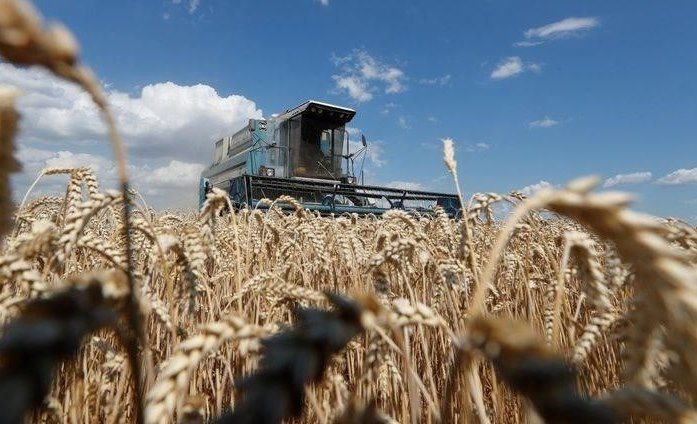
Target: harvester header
305,153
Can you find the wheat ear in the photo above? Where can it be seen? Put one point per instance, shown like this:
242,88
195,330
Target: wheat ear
49,330
173,380
527,365
24,41
296,357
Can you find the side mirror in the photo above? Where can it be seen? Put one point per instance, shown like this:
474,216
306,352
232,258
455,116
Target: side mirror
363,142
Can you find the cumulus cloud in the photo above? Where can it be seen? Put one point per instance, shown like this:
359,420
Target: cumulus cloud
175,174
362,75
545,122
679,177
564,28
354,86
513,66
34,160
163,121
174,184
625,179
168,129
534,188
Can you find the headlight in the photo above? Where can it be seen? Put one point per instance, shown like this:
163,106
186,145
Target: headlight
267,172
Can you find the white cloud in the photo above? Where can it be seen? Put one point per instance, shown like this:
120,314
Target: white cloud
477,147
403,123
357,88
679,177
324,2
164,121
527,43
176,174
546,122
167,115
172,185
432,119
444,80
34,160
168,129
563,28
513,66
373,154
388,108
510,67
193,4
624,179
534,67
534,188
405,185
353,132
362,75
103,167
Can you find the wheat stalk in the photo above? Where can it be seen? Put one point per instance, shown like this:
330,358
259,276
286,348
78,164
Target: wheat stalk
173,380
8,163
49,330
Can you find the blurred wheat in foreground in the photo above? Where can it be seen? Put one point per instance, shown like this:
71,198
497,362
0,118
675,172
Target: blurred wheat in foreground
602,328
573,309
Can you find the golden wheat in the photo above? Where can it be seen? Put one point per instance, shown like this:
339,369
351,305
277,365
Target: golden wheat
573,309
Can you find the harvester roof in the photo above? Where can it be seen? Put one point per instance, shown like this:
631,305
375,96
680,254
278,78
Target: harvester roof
327,111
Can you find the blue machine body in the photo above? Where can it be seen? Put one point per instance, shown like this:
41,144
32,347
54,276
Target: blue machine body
304,153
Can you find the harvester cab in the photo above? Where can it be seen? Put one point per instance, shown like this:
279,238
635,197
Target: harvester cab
305,153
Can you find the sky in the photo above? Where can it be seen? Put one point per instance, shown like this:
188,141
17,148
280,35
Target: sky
534,93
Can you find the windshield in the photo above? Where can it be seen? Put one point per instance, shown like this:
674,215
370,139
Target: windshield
316,148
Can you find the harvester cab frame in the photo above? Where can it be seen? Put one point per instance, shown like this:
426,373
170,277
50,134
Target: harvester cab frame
315,135
305,153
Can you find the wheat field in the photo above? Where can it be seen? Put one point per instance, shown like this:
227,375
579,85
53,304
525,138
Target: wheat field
571,309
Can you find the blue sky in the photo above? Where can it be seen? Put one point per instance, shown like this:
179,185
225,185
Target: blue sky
533,93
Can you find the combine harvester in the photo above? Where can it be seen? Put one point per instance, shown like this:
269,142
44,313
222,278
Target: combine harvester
304,153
